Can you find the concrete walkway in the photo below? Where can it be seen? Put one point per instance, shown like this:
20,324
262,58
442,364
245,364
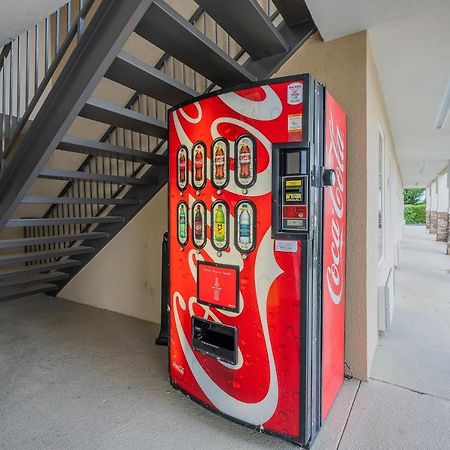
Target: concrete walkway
76,377
406,403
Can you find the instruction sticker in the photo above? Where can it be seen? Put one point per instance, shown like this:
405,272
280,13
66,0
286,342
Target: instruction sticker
294,123
286,246
295,93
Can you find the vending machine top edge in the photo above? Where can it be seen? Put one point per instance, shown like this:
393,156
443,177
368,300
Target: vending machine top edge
257,221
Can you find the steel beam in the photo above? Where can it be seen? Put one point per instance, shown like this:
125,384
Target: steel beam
26,242
69,221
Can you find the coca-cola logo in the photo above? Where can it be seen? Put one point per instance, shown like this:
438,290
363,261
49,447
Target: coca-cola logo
336,155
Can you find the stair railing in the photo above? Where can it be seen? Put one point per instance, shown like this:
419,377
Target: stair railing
143,104
30,63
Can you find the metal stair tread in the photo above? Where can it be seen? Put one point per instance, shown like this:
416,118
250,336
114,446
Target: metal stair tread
118,116
61,174
169,31
66,221
23,242
15,258
90,147
141,77
32,200
32,279
47,267
28,290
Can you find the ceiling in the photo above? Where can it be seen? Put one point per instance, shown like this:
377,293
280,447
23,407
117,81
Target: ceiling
411,46
17,16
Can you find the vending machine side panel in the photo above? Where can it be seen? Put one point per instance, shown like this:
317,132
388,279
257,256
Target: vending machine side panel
334,247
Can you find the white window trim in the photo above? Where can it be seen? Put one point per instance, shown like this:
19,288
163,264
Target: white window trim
381,256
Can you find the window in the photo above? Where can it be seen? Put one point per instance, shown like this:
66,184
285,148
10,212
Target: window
381,218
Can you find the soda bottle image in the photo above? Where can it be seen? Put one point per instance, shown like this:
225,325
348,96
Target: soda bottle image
182,222
182,168
198,224
244,226
219,164
244,161
198,163
219,225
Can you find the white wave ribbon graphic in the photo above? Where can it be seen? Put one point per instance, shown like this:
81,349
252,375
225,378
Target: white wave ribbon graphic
268,109
266,271
190,119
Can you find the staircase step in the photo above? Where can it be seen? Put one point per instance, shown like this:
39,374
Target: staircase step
59,174
88,147
105,112
25,242
33,200
293,11
32,279
68,221
28,290
38,268
169,31
251,28
143,78
43,255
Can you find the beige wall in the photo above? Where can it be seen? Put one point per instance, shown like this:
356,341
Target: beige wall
126,275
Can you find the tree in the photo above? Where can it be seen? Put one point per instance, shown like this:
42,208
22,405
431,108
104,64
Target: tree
413,196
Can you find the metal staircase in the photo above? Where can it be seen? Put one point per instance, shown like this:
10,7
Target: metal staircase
47,79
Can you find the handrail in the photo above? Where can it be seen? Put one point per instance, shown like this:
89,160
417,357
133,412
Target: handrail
72,30
5,52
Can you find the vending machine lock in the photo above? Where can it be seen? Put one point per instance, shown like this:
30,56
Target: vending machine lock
328,177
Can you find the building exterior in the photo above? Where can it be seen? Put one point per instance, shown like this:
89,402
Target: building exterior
351,57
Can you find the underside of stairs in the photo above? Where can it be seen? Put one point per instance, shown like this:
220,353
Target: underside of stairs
65,196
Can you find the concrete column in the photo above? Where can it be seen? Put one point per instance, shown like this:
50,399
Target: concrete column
427,210
433,207
442,208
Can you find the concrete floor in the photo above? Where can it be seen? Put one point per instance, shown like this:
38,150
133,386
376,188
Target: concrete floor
76,377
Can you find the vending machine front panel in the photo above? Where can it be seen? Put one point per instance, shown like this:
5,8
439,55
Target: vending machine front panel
240,245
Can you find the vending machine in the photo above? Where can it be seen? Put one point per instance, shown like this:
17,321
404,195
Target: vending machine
257,218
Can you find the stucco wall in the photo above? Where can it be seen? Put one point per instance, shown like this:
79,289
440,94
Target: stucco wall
126,275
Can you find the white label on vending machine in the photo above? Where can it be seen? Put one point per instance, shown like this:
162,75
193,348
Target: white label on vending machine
286,246
295,93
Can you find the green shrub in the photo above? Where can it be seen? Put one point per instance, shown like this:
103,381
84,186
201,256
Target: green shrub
414,213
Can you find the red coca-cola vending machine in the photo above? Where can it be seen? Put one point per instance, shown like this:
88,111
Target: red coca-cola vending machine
257,221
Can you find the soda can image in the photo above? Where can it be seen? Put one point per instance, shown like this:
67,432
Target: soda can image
245,226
